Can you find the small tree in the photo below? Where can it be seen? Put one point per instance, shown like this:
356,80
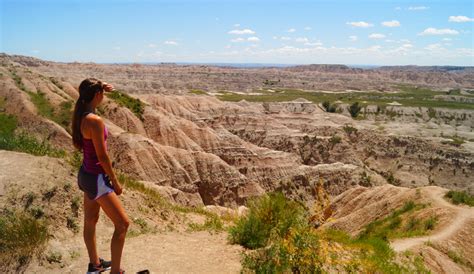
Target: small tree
326,105
329,107
354,109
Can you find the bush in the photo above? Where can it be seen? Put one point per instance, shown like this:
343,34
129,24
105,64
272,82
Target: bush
297,252
269,214
348,129
354,109
213,223
8,123
335,140
394,226
460,197
28,144
23,142
124,100
299,248
21,237
61,116
329,107
430,223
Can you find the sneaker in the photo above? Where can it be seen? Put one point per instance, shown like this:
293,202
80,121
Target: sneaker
103,266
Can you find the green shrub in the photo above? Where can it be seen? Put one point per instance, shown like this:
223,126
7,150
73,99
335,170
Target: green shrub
76,205
348,129
124,100
21,237
198,92
72,224
61,116
296,252
269,214
75,159
299,248
335,140
430,223
56,82
18,81
393,226
329,107
354,109
28,144
431,112
9,124
460,197
36,212
213,223
64,115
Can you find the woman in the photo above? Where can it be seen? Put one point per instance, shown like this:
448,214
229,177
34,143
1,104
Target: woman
96,177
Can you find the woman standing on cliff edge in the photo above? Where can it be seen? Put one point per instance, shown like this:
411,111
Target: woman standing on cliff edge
96,177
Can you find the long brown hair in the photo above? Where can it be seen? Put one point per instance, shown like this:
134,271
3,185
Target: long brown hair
87,90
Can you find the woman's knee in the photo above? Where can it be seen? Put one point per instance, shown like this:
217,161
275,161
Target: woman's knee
122,225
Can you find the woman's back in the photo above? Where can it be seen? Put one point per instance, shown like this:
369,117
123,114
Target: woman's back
90,160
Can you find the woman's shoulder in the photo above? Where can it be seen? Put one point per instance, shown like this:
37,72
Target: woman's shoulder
93,120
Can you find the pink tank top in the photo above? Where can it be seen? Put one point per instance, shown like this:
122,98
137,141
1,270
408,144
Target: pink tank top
90,161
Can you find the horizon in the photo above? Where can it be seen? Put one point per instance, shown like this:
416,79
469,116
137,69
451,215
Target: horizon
366,33
242,65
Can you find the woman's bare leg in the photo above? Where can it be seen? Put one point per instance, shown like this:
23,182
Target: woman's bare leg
91,216
111,205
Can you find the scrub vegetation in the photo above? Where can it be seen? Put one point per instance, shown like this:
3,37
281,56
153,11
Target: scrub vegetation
281,239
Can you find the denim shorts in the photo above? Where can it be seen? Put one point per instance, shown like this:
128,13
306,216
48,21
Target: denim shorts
94,185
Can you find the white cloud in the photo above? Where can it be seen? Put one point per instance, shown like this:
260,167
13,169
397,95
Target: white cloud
376,36
253,39
360,24
236,25
241,31
307,28
353,38
434,31
151,45
434,47
237,40
315,44
116,48
447,39
393,23
460,19
285,38
418,8
398,8
171,43
374,48
302,40
291,30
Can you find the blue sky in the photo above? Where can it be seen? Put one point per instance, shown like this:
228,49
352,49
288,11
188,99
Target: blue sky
284,32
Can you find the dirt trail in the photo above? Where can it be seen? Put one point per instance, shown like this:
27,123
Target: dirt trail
463,214
168,252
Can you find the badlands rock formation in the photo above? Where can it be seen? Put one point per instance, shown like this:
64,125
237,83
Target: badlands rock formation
173,79
219,153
